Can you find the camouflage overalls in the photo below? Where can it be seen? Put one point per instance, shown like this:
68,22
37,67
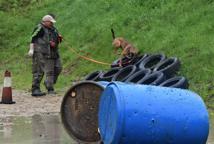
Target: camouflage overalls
46,59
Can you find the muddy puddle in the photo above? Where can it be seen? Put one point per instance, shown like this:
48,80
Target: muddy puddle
38,129
44,129
211,133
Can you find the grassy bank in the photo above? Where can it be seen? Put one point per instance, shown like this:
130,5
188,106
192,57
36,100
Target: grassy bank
184,29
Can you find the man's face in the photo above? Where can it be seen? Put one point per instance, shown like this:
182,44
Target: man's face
48,24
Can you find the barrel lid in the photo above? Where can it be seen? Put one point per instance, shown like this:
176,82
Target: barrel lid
79,111
111,114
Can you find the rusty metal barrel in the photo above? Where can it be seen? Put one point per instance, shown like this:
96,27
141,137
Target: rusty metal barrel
79,111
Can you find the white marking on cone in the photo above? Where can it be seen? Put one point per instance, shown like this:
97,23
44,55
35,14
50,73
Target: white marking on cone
7,82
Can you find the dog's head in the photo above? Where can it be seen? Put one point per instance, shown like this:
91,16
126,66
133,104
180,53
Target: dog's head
117,42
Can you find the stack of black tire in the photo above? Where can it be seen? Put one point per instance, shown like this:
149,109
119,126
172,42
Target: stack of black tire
148,69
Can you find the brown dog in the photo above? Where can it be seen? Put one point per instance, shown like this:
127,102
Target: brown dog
128,50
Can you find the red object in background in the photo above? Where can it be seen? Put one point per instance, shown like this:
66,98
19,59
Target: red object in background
7,90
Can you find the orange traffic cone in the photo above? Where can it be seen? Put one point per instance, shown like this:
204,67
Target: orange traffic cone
7,90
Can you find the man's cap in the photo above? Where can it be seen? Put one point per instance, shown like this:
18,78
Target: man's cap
48,18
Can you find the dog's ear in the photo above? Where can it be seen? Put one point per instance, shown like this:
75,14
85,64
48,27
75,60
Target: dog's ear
113,34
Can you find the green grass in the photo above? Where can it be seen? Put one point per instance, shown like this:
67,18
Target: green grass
177,28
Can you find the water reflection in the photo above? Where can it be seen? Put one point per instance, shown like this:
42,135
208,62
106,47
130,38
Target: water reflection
44,129
6,129
211,133
39,129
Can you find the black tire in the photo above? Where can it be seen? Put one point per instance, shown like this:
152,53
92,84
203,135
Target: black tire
125,73
94,76
107,76
140,59
176,82
152,79
138,75
126,61
169,67
152,61
115,63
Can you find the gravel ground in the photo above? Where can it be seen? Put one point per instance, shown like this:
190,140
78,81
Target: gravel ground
26,105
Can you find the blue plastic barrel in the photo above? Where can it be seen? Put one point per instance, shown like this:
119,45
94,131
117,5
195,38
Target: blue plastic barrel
140,114
103,83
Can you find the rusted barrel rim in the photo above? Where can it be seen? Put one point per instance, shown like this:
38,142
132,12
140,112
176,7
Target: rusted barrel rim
65,124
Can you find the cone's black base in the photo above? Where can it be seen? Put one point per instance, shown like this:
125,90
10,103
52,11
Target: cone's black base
7,102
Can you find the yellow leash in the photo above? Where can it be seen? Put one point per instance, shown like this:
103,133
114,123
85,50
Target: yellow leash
84,57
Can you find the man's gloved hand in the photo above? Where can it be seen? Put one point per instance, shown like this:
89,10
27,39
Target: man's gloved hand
60,38
52,44
31,50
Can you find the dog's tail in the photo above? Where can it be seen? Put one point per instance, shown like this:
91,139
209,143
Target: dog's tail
113,34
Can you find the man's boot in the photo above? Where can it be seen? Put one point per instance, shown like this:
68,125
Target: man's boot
51,92
37,92
49,88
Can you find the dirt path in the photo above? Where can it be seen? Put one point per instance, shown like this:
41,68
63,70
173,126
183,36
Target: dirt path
26,105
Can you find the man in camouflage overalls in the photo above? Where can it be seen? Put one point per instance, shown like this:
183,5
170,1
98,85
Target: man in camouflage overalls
45,55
